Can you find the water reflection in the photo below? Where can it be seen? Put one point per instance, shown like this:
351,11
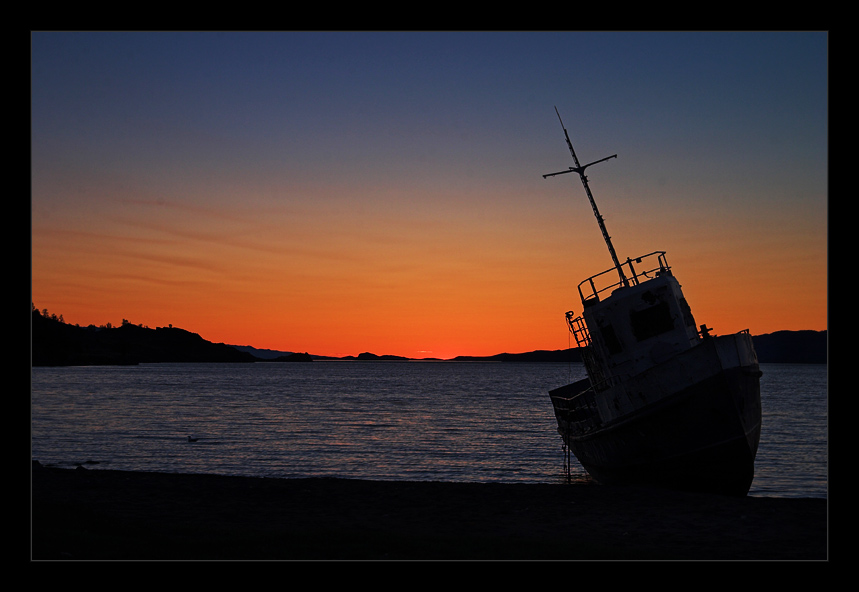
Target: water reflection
440,421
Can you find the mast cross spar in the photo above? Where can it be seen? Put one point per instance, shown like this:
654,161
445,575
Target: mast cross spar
581,171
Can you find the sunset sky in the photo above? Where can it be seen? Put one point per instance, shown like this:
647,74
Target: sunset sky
337,193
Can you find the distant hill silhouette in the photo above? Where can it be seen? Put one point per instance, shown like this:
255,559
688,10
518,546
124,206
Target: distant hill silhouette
368,357
296,357
787,347
560,355
55,343
264,354
792,347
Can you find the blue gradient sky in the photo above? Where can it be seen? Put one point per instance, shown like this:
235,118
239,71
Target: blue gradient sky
345,192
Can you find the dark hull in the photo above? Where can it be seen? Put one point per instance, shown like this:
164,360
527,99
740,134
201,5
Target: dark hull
704,437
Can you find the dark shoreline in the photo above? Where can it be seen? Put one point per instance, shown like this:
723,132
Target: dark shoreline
55,343
97,514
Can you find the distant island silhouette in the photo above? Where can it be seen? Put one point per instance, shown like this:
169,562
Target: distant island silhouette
56,343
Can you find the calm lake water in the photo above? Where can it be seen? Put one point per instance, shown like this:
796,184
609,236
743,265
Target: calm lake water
422,421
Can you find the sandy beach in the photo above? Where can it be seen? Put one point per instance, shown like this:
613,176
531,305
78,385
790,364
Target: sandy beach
97,514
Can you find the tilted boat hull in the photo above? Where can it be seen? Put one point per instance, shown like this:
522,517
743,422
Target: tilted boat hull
687,433
664,402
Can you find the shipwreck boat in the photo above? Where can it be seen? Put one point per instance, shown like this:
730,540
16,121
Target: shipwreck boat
665,402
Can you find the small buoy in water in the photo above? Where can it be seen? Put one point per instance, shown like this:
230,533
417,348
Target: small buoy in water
190,439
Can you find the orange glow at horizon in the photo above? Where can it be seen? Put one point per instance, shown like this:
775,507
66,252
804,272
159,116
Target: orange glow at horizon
397,283
319,192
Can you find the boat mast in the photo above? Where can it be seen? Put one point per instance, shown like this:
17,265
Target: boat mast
581,171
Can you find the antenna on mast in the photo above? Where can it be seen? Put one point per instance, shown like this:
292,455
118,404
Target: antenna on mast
581,171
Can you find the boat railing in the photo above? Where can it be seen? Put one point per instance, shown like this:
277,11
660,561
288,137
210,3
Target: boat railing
655,264
579,329
580,409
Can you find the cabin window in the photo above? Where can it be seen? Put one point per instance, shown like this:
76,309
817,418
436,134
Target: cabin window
651,321
610,339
